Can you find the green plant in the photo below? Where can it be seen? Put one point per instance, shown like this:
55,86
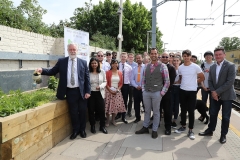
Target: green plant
18,101
52,83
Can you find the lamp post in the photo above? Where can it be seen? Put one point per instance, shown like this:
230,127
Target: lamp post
120,37
148,39
164,46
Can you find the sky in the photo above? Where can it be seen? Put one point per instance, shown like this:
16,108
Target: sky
171,21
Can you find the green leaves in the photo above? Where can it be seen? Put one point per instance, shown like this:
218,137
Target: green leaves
230,43
17,101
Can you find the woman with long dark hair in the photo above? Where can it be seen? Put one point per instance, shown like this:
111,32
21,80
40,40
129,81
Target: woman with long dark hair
114,101
96,101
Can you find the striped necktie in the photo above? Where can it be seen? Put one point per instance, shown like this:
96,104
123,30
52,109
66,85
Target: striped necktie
139,74
72,81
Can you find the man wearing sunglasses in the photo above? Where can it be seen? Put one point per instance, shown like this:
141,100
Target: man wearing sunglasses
109,57
166,99
103,64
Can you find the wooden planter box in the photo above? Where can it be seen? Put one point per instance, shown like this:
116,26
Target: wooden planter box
29,134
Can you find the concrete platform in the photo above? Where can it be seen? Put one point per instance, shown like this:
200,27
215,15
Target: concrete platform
122,144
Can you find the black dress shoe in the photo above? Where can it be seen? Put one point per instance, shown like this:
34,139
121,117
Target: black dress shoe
167,132
154,134
74,135
222,139
142,131
150,126
207,119
207,132
93,130
136,120
83,134
117,116
125,121
129,114
103,129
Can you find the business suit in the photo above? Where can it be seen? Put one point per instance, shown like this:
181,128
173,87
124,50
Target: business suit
224,88
75,96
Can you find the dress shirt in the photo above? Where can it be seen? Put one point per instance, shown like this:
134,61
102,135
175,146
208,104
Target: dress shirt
133,64
218,68
69,85
105,66
134,76
163,72
127,72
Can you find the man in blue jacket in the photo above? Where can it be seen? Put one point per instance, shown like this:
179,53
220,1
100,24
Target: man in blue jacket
74,83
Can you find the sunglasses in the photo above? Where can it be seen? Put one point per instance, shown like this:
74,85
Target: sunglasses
164,56
171,55
108,54
100,55
159,57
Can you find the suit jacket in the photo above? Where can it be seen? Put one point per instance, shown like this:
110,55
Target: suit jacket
61,68
102,82
225,85
109,78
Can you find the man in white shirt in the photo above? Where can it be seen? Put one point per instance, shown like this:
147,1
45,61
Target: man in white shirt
103,64
190,74
126,70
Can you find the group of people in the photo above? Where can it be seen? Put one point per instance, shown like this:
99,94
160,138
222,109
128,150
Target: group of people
158,82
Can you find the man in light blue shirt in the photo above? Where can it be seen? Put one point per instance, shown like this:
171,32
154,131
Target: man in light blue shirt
130,92
136,83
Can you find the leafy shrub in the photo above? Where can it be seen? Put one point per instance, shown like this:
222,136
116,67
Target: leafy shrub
18,101
52,83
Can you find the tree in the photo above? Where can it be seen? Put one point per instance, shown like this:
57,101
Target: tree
33,13
230,43
11,16
104,18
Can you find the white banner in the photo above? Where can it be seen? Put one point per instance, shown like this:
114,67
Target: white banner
80,38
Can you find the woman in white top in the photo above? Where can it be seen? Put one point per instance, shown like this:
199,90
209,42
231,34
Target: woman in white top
114,101
175,91
96,101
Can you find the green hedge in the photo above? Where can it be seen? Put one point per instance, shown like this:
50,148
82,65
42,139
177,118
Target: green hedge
17,101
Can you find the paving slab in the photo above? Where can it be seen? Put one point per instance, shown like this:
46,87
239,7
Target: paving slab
182,156
54,156
143,154
84,149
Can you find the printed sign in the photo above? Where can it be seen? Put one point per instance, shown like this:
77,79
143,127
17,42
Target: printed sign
80,38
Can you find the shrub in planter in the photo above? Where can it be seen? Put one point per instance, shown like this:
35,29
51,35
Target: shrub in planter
18,101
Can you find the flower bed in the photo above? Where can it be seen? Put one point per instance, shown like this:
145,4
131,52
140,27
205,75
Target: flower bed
31,133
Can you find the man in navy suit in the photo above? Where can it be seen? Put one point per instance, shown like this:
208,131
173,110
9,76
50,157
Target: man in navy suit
74,83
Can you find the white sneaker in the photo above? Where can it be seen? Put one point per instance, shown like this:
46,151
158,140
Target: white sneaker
191,135
180,130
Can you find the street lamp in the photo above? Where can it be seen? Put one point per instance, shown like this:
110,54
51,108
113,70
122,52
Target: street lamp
120,37
148,38
164,46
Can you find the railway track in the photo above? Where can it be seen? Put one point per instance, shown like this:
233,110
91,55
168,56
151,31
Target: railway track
236,103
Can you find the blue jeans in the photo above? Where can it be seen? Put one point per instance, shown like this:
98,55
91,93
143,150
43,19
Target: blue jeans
175,100
226,113
205,95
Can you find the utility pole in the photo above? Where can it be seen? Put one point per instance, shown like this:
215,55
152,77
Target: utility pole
120,36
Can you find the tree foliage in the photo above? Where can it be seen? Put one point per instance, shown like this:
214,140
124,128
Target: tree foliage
230,43
101,21
104,18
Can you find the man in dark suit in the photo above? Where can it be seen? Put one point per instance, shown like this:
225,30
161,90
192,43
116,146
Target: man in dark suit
221,84
74,83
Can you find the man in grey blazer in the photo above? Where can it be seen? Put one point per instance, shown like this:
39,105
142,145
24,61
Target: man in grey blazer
221,84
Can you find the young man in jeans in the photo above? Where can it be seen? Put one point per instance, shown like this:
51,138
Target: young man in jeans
190,74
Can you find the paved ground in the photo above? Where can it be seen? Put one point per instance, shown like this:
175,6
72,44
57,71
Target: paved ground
122,144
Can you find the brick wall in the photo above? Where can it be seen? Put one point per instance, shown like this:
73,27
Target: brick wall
15,40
